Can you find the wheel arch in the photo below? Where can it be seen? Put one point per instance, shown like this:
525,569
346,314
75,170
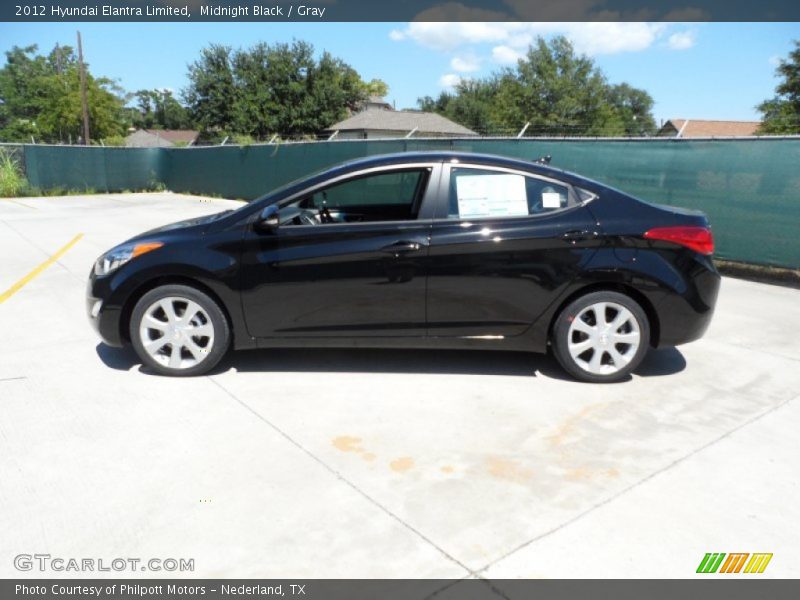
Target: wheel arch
155,282
613,286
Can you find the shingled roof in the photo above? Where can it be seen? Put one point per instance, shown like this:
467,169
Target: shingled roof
693,128
402,121
150,138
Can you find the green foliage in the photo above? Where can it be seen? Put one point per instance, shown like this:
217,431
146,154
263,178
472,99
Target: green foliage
211,90
40,98
35,192
269,88
114,140
159,109
242,139
472,105
554,89
376,87
781,114
12,181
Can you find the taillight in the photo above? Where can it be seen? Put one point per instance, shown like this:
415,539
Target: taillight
698,239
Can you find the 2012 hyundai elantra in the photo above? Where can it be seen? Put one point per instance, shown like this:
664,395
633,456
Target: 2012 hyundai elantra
416,250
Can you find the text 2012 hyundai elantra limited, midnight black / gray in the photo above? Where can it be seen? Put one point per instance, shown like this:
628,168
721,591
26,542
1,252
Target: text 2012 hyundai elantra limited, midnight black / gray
433,250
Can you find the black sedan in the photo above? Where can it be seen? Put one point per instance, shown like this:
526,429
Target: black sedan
417,250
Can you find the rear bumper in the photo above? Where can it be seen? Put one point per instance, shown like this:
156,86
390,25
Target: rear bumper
685,313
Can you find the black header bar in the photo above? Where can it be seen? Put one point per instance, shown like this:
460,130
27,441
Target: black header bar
405,10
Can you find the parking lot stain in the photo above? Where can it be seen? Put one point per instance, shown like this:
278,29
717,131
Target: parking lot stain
348,443
571,423
508,470
401,465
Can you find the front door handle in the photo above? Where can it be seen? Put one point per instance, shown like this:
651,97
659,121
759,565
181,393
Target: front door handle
401,248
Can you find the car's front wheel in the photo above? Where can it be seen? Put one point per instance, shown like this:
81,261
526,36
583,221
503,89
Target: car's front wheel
601,337
179,330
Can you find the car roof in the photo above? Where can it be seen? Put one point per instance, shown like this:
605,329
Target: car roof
378,160
400,158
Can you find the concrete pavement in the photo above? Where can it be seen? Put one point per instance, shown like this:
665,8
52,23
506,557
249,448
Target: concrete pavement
364,463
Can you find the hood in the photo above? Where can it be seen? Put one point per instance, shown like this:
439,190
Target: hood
185,224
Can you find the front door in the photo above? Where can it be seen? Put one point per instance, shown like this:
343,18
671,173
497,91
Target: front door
348,259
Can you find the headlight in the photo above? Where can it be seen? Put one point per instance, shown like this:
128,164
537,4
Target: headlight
114,259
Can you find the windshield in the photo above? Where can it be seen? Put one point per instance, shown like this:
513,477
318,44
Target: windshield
279,191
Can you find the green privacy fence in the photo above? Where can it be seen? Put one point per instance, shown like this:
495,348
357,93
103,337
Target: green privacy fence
92,167
750,188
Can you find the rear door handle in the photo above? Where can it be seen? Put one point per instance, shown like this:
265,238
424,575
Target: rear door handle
576,235
401,247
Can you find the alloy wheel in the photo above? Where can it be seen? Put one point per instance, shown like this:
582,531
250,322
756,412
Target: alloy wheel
603,338
176,332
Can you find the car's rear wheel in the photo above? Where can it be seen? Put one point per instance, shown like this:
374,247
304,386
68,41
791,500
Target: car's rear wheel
179,330
601,337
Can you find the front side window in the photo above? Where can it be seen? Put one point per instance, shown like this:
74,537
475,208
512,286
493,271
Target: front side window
485,193
387,196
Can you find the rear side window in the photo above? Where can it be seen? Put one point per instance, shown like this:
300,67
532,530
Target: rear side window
484,193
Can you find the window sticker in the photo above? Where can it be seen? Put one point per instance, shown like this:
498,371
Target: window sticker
551,200
495,195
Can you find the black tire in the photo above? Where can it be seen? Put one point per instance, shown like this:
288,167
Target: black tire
561,338
219,341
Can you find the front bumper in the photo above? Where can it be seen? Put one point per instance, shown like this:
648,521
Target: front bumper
104,315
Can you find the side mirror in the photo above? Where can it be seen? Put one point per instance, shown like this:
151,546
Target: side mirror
269,219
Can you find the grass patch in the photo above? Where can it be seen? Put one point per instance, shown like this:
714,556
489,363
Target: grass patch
34,192
12,181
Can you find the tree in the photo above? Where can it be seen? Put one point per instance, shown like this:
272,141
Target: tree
376,87
40,98
211,90
555,90
159,109
471,104
634,108
268,89
781,114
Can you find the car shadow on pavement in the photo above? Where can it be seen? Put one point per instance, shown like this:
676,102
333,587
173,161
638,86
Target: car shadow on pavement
664,361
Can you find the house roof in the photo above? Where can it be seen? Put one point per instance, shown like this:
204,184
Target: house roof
400,120
377,100
153,138
691,128
176,135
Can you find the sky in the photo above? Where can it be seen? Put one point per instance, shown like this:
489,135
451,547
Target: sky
692,70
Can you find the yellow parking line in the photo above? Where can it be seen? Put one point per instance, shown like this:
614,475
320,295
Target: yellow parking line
25,280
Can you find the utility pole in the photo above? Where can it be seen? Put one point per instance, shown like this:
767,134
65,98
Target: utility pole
84,104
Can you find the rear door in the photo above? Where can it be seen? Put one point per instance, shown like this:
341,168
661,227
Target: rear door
504,243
